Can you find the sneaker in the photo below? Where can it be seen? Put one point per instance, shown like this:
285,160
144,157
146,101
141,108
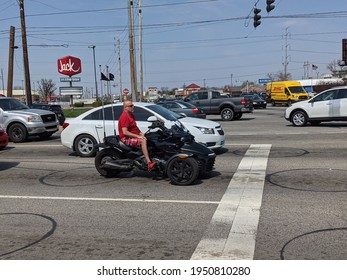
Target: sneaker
151,165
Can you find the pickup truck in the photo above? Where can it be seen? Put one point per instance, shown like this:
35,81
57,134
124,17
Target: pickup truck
213,103
19,121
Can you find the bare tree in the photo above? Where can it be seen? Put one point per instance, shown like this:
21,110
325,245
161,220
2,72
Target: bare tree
46,88
333,66
280,76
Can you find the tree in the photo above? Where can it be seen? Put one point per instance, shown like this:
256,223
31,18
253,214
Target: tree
332,66
337,70
280,76
46,88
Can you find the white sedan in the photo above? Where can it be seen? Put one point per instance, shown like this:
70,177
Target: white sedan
81,133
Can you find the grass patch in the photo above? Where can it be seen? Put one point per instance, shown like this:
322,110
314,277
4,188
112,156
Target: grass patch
73,113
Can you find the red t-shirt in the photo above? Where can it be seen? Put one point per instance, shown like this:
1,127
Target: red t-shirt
128,121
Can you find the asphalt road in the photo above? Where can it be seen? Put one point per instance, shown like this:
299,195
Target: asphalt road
277,192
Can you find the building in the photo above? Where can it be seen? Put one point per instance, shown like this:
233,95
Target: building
21,96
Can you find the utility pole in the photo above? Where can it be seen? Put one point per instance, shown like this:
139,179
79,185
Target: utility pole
120,74
25,54
132,52
141,60
11,48
285,63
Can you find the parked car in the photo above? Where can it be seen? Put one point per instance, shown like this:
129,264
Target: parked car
3,138
257,101
329,105
20,121
212,102
81,133
185,108
51,107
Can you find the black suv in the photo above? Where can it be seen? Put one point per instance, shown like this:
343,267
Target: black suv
51,107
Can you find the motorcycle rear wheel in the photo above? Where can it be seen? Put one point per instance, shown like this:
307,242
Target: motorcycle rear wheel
183,171
101,157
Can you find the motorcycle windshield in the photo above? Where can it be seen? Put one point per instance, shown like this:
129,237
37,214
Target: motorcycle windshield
178,126
170,117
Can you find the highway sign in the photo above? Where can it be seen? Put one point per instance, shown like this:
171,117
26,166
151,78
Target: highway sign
264,81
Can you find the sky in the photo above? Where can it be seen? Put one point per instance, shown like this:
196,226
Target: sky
211,43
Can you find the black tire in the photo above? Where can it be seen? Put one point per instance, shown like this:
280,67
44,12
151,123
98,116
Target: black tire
84,145
227,114
299,118
183,171
17,133
101,157
237,116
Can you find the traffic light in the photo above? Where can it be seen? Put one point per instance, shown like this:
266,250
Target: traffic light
269,6
256,17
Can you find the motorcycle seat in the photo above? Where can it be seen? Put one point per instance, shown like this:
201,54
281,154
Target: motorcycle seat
123,145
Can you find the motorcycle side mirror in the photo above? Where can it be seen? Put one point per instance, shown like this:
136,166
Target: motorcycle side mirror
152,119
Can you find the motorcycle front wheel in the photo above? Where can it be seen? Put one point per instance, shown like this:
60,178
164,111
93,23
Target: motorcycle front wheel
103,156
183,171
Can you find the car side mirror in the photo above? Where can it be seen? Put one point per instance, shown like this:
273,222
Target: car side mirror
152,119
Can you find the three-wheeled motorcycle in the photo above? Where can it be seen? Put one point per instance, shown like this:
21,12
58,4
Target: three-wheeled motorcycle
174,150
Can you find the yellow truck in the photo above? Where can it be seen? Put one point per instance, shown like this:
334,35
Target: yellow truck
285,92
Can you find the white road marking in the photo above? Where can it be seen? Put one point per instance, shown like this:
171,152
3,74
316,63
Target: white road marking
105,199
232,231
35,145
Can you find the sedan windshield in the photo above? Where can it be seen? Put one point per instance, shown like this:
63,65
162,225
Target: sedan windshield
167,114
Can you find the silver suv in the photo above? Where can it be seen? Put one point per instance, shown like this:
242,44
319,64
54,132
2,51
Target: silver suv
20,121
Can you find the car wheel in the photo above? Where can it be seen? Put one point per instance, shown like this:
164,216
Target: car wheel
227,114
183,171
84,145
17,133
299,118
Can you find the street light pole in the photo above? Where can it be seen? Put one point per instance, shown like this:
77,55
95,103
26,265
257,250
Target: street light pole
96,83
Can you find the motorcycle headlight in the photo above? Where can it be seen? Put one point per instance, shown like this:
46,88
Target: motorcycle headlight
205,130
34,119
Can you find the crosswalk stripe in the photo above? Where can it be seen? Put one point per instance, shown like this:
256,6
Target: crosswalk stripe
232,231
